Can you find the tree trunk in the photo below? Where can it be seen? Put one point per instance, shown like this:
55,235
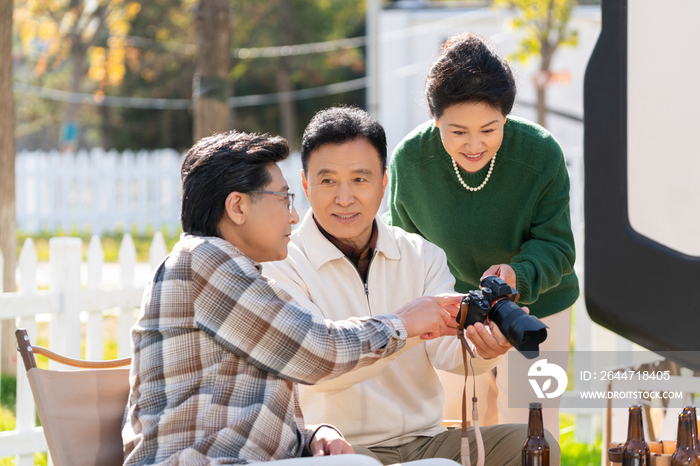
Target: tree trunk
546,54
166,129
288,106
107,133
8,226
542,106
70,133
213,65
232,114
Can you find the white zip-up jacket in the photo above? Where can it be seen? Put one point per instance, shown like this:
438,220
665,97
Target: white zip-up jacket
399,398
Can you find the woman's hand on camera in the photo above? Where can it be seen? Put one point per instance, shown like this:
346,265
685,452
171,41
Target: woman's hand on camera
503,271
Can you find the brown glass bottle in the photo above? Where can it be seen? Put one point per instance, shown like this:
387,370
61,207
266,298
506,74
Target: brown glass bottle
635,452
687,448
535,449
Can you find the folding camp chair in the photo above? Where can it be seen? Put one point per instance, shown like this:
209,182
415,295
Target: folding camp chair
81,411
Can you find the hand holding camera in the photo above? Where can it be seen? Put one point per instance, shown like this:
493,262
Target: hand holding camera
503,271
488,340
494,303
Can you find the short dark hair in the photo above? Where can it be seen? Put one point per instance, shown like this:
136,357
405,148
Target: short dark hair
469,70
337,125
219,165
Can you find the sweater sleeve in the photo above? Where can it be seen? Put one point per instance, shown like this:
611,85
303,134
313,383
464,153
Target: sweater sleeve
549,253
397,215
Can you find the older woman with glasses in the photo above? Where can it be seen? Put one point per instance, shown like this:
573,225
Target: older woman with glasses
492,190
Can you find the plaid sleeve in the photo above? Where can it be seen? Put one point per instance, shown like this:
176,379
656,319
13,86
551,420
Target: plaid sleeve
245,313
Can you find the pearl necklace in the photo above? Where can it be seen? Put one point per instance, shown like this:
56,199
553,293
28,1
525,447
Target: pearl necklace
488,175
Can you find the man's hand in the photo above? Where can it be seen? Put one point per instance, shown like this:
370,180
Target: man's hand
329,442
430,316
488,339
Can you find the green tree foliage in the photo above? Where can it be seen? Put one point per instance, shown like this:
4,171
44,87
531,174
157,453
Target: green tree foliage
160,65
159,59
259,24
545,24
57,32
545,27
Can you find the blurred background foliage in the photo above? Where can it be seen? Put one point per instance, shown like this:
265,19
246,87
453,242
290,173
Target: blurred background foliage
147,49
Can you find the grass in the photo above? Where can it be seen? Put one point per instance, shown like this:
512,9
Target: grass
574,453
110,243
8,388
7,422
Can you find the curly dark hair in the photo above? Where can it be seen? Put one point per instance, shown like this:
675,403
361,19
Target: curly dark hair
219,165
469,70
337,125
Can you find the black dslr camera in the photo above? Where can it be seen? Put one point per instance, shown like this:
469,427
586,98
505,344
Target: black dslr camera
494,302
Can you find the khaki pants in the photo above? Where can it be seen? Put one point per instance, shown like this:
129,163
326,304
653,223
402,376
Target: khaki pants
502,445
352,460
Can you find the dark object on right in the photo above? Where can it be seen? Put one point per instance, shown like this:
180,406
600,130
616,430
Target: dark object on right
615,252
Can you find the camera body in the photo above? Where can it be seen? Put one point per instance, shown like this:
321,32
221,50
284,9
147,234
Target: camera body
494,302
478,302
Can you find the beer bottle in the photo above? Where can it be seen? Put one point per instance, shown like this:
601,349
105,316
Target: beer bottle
687,448
635,452
535,450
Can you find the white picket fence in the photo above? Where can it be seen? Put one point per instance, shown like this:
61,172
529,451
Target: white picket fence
99,190
106,191
67,304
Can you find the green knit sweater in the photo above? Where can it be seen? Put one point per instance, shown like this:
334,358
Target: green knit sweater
521,217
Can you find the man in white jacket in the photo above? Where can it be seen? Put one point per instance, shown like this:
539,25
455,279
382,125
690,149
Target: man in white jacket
344,262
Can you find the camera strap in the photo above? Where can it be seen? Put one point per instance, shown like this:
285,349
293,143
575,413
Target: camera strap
464,442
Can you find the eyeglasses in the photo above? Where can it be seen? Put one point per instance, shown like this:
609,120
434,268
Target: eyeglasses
289,196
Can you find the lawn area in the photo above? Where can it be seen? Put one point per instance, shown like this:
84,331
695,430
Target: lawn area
573,453
110,243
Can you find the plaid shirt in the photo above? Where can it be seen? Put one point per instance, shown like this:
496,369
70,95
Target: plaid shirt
217,352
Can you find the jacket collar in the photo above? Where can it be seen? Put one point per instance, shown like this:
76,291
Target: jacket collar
319,250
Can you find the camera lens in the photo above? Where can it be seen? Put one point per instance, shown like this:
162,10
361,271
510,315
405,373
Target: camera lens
523,331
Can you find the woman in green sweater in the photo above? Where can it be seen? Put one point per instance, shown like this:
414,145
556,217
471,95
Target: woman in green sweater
492,190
